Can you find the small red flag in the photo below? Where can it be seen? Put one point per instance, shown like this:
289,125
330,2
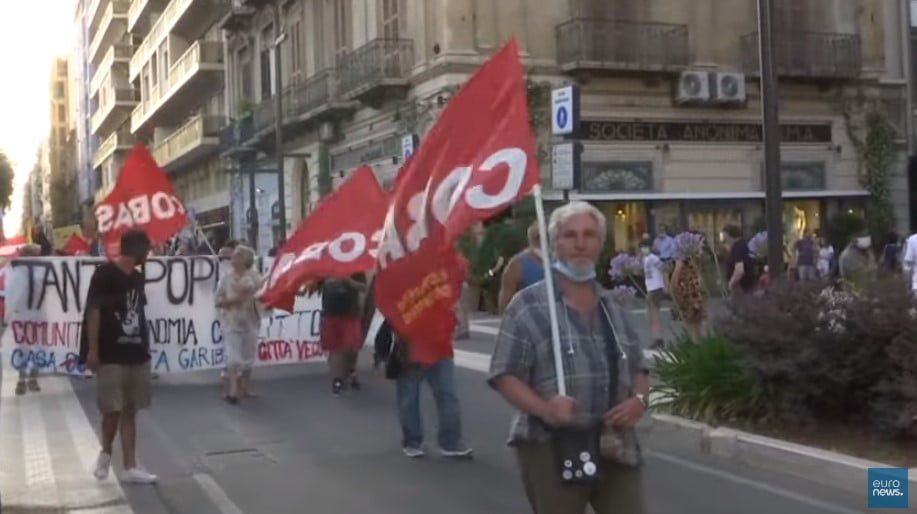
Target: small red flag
76,245
143,198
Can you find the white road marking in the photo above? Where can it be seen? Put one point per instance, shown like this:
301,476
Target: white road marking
216,494
761,486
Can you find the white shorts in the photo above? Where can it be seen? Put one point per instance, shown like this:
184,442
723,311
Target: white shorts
240,348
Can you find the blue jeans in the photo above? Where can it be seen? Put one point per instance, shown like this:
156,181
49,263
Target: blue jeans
441,377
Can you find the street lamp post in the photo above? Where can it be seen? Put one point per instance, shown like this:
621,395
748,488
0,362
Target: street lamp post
773,202
278,123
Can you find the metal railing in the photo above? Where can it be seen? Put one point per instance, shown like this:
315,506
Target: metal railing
236,132
621,45
187,137
133,13
807,54
157,33
119,51
105,108
115,8
374,64
140,112
313,93
107,148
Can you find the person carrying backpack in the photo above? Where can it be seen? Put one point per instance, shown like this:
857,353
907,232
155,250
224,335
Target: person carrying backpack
341,329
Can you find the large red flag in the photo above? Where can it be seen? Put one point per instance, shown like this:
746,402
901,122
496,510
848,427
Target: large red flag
142,198
338,239
477,160
76,245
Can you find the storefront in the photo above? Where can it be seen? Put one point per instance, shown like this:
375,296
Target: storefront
647,176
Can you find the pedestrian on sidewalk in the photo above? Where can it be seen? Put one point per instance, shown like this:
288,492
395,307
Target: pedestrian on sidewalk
606,377
28,373
524,269
341,329
740,267
805,256
857,263
654,279
240,319
116,347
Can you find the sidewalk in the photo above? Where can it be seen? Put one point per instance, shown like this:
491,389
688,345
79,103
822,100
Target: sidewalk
47,452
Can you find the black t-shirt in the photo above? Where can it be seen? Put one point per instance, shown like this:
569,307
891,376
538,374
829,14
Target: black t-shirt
740,253
339,298
120,299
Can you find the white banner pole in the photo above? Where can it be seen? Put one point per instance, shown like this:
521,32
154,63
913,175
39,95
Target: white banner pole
552,304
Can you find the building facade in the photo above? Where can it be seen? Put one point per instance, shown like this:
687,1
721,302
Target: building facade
62,207
670,99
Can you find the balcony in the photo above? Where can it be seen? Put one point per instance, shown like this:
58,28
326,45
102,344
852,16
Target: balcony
119,54
263,117
234,134
235,15
197,138
110,29
190,18
612,45
138,16
195,74
376,68
92,13
315,99
114,109
807,55
118,141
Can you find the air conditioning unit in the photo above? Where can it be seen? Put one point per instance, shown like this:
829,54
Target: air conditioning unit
729,88
693,87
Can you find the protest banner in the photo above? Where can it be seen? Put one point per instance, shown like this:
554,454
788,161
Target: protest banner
46,299
477,160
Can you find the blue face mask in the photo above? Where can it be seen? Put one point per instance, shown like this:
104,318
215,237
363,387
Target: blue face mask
574,274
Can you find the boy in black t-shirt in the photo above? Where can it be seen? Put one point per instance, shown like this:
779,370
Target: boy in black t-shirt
116,347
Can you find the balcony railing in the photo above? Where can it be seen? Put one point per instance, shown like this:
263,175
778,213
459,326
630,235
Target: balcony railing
121,52
263,114
235,133
584,44
187,137
808,55
380,62
303,98
200,54
116,95
118,139
117,8
234,14
158,32
92,10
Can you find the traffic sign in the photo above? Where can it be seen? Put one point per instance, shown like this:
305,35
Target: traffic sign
564,110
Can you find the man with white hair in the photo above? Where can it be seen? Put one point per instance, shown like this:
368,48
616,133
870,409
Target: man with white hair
581,448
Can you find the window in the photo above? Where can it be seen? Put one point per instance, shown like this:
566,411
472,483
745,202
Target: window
59,90
246,87
341,28
267,37
297,50
61,113
617,176
62,68
390,19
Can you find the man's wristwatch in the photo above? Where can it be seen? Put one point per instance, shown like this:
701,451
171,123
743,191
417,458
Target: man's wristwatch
642,398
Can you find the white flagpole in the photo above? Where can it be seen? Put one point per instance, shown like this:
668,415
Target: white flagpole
552,305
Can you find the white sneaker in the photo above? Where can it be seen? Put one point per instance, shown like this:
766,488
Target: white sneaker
463,453
139,475
413,452
103,464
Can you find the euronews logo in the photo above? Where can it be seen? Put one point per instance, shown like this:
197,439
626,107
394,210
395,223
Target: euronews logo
888,488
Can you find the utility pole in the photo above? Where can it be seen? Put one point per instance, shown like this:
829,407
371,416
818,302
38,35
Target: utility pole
278,122
773,203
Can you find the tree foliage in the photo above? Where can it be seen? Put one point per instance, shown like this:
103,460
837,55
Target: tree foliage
6,181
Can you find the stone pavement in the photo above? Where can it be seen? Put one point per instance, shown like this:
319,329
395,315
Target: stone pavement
47,449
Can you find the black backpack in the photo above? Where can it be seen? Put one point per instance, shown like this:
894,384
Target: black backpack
339,298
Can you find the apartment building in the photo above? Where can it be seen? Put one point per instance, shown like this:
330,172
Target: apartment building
670,98
177,69
81,113
61,206
112,97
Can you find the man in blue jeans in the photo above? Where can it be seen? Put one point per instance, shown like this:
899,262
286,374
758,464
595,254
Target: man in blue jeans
441,377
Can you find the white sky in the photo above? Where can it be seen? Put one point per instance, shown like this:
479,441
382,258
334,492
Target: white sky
32,33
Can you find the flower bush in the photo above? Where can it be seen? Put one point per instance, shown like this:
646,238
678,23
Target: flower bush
689,245
624,266
623,295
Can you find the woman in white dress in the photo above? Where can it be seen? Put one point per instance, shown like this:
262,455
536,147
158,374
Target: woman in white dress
825,257
240,320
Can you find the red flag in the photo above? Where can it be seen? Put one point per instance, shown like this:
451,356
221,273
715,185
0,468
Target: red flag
338,239
477,160
143,198
76,245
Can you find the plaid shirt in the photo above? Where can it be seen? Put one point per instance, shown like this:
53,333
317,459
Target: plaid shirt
524,350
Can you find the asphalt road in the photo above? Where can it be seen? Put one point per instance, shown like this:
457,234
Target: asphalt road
296,449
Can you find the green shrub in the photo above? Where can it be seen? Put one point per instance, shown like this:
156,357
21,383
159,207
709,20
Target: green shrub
704,380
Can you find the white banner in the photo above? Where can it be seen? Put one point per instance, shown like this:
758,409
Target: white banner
45,298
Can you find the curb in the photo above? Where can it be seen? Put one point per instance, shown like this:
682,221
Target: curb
824,467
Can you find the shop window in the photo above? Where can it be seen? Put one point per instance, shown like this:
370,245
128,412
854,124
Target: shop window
709,219
800,176
617,176
626,224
